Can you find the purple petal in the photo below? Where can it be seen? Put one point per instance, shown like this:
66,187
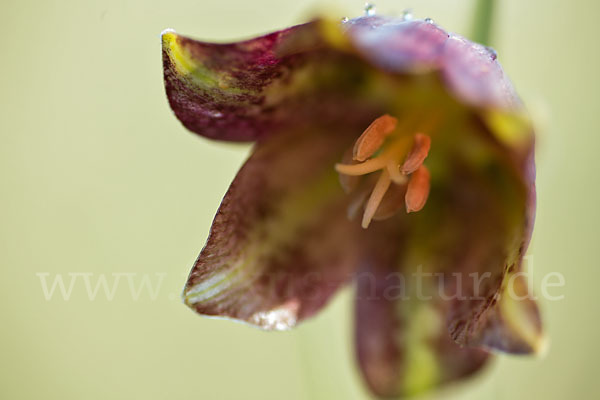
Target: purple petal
471,71
272,268
397,45
251,89
218,90
509,322
402,345
474,232
474,74
280,244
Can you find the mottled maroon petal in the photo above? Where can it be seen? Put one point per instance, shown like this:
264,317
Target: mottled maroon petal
251,89
221,94
402,345
510,322
482,218
280,244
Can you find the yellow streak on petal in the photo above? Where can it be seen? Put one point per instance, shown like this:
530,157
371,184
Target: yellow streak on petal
192,68
382,185
517,315
513,129
182,61
333,34
266,238
424,325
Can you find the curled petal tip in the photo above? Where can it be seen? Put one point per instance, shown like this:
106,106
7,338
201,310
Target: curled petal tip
512,325
168,38
166,31
522,321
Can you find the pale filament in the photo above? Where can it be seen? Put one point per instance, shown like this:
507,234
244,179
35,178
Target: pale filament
364,168
381,187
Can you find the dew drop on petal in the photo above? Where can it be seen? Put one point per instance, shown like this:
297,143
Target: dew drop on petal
345,19
429,20
407,15
370,9
493,53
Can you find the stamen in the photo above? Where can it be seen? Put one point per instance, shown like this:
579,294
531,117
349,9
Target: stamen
373,137
364,168
385,200
417,154
382,185
418,190
393,153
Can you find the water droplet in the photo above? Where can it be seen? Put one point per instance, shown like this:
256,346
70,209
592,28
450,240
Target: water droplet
370,9
345,19
407,15
493,52
429,20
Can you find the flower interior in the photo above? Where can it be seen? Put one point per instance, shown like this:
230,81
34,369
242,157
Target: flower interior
395,152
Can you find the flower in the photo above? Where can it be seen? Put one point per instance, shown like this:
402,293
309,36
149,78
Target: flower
369,116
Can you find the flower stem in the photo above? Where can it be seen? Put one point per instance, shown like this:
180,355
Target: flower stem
483,21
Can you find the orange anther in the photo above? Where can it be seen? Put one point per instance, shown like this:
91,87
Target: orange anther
417,154
418,189
373,137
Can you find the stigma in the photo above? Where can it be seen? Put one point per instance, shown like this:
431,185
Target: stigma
384,169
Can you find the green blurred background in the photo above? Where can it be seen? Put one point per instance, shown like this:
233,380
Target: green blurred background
97,176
